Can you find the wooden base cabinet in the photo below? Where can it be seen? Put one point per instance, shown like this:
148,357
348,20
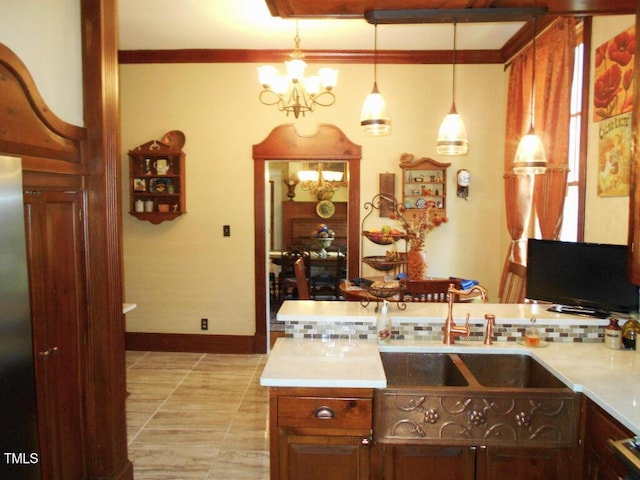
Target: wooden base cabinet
55,243
423,462
600,463
420,462
320,434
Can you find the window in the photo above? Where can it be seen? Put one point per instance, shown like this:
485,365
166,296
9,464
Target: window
573,214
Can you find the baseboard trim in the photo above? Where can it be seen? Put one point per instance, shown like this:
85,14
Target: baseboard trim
181,342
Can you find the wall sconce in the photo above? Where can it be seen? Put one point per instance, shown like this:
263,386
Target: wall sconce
291,184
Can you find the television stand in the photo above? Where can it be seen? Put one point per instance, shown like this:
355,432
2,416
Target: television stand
577,310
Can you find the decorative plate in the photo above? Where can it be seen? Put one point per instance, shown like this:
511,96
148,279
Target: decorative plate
421,203
325,209
174,138
159,185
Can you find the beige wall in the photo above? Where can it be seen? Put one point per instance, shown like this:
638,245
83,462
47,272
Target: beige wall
46,37
178,272
606,220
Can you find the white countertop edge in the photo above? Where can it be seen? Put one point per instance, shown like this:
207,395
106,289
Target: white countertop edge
519,314
319,383
611,379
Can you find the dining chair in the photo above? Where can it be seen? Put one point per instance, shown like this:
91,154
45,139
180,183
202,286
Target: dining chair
431,290
286,278
302,283
513,283
327,283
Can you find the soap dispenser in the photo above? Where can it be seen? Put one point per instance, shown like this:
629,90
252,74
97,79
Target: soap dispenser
383,324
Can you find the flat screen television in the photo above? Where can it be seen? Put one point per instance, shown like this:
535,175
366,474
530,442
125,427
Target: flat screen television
582,278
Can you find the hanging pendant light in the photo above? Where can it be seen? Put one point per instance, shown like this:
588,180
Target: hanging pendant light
530,157
374,117
452,136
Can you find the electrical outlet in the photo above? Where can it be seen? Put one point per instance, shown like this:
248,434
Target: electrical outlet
226,230
204,324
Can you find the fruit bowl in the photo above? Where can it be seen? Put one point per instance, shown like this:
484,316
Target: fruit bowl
382,238
383,263
383,292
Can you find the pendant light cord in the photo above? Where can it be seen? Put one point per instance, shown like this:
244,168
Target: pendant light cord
453,89
375,54
533,76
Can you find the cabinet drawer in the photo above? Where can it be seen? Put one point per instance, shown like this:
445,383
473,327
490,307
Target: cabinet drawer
330,413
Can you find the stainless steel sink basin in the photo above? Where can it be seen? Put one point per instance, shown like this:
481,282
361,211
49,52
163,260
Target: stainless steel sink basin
421,369
509,370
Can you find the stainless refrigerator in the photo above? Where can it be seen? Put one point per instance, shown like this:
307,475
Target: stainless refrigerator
19,452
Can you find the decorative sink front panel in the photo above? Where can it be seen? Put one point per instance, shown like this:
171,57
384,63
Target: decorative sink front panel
476,417
474,399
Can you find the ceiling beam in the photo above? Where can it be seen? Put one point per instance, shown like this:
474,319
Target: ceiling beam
470,15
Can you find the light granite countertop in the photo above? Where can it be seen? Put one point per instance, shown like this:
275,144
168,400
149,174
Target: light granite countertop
610,378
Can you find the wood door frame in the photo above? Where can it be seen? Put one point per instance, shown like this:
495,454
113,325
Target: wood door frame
284,143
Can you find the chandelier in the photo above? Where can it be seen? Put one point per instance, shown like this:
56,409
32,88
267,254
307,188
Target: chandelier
293,92
321,183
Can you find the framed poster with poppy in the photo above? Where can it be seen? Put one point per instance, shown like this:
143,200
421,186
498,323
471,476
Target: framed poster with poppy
614,156
613,84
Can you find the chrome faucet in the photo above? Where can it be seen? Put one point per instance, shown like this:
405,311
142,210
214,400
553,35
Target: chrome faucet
451,330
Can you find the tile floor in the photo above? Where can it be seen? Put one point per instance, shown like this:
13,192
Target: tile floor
197,416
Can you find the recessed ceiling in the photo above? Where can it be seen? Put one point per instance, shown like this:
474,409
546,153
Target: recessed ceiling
247,24
327,24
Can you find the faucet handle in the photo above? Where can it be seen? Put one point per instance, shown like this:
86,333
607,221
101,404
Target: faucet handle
467,327
488,332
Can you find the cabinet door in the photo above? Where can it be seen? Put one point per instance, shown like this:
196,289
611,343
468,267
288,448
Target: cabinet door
421,462
600,463
311,457
57,292
498,463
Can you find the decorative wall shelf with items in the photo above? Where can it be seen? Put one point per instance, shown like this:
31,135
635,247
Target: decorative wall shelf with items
424,184
157,173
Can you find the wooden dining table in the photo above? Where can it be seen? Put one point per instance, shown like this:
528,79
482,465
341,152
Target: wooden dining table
354,293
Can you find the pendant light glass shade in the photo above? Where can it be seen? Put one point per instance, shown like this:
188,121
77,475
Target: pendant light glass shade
530,158
374,117
452,136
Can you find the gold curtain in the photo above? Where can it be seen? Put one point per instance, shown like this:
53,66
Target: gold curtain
517,188
553,76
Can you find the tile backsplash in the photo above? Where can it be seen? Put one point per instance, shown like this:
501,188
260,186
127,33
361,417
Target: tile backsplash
425,331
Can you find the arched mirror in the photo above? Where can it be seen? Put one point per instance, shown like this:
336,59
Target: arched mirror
328,145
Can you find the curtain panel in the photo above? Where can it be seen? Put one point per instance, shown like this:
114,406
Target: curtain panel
553,77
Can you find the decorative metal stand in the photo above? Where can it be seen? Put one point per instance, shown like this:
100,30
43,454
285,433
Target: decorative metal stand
381,294
383,263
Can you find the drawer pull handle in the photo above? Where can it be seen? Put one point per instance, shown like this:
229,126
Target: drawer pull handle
324,413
